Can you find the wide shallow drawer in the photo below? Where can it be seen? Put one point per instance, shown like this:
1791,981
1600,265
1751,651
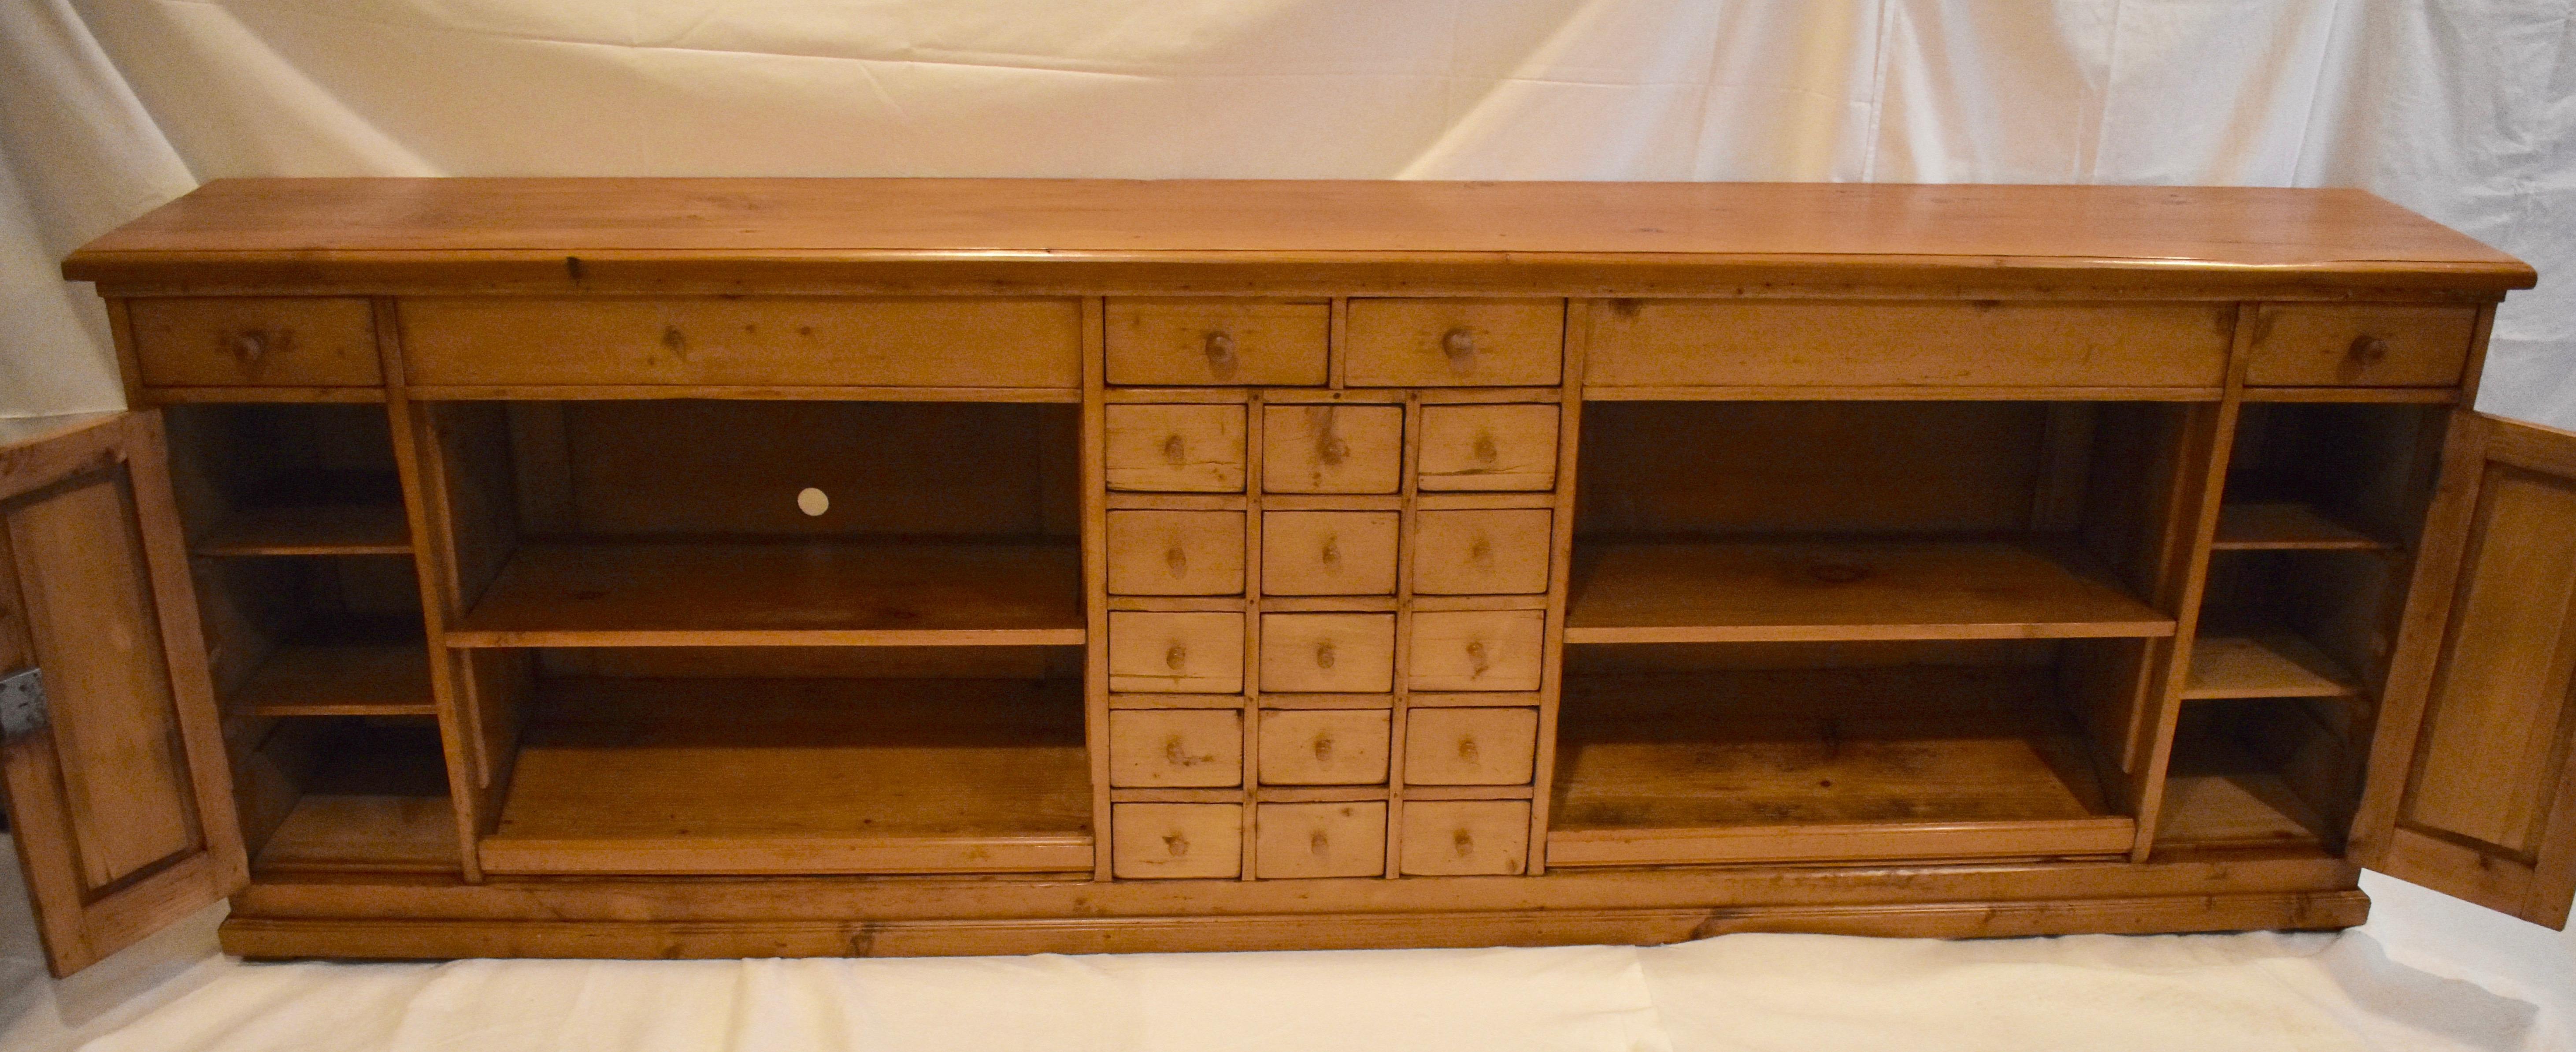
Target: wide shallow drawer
1328,653
748,341
1455,342
255,342
1328,552
1175,552
2372,345
1830,343
1459,838
1175,748
1332,448
1176,840
1190,342
1183,653
1320,840
1476,649
1175,448
1324,746
1499,551
1451,746
1488,447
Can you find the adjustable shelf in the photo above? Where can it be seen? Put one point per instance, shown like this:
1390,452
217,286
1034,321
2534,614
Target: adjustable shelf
354,679
798,776
783,593
2263,664
2287,527
310,529
1780,591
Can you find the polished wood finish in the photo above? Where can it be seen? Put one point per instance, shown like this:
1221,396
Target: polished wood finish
898,566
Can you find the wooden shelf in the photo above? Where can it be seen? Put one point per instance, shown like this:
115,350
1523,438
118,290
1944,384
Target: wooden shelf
2245,809
1822,765
311,529
785,593
2275,664
376,802
359,679
2286,527
1712,592
798,776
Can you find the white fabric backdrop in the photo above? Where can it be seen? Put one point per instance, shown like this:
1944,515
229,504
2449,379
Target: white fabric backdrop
2462,109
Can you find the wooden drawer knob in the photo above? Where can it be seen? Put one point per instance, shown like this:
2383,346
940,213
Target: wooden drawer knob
1485,451
1324,748
1176,657
1177,560
1175,451
1320,843
1464,842
250,347
1176,844
1332,551
1467,748
1220,352
1477,659
1324,654
1460,345
1481,553
2367,350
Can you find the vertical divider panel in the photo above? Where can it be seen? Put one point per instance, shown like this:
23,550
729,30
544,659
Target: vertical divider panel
2148,752
1255,445
1551,668
1095,573
1409,488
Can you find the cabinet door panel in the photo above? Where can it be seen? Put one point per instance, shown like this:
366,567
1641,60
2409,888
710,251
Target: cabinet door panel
123,811
2473,780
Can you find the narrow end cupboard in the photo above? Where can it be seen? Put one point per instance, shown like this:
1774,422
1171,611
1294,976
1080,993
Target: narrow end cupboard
498,567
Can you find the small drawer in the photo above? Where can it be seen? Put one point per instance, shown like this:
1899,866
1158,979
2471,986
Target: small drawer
745,340
1485,552
1446,746
1488,447
1175,840
1195,342
1319,840
1176,552
1175,748
1175,653
1328,653
1473,649
1324,746
254,342
1461,838
1328,552
1175,448
1332,448
2383,345
1455,342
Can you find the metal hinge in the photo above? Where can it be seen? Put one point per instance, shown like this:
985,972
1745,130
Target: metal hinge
22,704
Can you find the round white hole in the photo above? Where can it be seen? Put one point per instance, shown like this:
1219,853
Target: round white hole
813,501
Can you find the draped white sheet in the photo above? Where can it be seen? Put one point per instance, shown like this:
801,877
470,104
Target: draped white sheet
2462,109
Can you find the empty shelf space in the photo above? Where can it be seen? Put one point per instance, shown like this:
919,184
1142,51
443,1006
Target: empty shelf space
2286,527
781,593
1708,592
2228,810
370,797
359,679
2275,664
798,776
310,529
1823,764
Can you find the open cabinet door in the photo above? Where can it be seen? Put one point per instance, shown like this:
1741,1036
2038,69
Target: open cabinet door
2473,781
109,740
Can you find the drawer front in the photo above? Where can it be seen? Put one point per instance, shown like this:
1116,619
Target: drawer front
1332,448
1328,552
1328,653
1175,748
788,341
1488,447
1176,552
255,341
2388,345
1477,650
1175,653
1455,342
1319,840
1175,448
1470,746
1496,552
1175,840
1824,343
1463,838
1202,342
1324,747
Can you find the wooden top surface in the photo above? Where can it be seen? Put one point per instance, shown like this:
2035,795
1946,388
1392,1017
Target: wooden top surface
2175,232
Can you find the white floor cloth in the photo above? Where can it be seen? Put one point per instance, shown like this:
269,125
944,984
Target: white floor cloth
1739,993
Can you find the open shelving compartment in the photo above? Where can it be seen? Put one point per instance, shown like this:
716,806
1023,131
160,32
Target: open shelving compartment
769,637
2307,578
310,601
1847,631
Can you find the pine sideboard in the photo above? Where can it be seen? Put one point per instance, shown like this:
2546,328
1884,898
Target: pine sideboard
749,567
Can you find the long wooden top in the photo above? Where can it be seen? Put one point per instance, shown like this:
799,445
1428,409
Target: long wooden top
571,231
